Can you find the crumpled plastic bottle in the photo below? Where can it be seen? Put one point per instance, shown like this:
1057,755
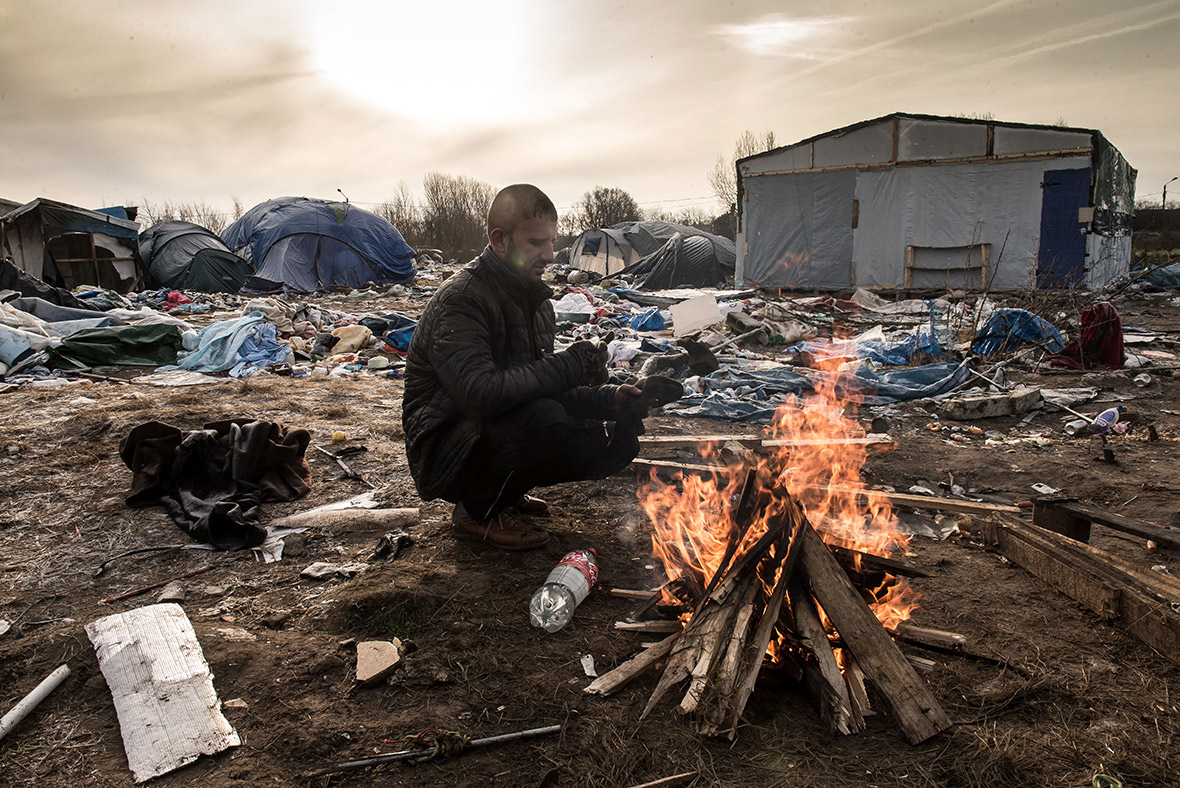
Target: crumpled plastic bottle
552,606
1104,422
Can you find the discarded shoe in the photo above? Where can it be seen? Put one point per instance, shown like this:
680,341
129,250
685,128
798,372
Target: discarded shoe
531,505
503,531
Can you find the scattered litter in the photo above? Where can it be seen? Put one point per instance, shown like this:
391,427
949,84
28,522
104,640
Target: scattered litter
325,571
33,699
175,377
376,659
389,545
235,703
236,634
1045,489
588,666
168,710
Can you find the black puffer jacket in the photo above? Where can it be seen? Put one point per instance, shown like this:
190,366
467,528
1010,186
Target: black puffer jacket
483,346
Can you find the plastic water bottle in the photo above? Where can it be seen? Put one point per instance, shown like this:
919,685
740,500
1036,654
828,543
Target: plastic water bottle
1104,422
553,604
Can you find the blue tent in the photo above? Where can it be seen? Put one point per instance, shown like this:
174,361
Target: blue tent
301,244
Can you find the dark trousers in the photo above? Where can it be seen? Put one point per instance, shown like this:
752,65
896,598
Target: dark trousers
536,445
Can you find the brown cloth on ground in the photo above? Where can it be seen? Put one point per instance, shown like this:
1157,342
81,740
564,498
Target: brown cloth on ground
212,480
1099,343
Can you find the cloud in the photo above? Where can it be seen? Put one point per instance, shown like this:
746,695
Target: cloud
779,35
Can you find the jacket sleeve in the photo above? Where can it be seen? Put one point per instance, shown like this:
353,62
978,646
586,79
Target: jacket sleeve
462,356
590,402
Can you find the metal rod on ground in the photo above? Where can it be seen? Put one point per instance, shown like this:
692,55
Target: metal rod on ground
430,752
31,701
160,584
1088,419
989,380
735,340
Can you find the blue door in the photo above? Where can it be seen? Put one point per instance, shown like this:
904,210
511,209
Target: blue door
1062,252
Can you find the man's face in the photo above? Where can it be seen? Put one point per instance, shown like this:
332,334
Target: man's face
528,249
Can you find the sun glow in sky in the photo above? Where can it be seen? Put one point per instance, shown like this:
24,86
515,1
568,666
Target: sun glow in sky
131,99
432,62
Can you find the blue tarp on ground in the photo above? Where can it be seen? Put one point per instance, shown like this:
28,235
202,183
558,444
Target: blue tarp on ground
1167,277
1008,329
218,344
732,395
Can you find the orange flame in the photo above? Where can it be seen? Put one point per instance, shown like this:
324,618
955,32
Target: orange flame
693,517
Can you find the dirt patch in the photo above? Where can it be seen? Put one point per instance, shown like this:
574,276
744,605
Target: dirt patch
1082,698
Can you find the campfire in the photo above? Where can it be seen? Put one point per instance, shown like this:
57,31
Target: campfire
782,561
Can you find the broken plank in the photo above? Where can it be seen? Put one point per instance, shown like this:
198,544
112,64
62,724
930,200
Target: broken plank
1135,611
927,502
376,519
1034,553
168,711
939,637
911,702
1146,530
824,679
670,441
890,565
681,466
868,440
659,627
609,682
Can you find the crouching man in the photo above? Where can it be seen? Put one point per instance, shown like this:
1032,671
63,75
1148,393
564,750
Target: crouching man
490,410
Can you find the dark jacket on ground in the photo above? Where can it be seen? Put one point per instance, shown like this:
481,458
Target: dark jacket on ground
483,346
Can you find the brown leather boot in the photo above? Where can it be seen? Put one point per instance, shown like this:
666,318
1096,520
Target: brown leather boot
505,531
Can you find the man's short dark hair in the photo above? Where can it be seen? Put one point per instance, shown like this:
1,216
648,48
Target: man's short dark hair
518,203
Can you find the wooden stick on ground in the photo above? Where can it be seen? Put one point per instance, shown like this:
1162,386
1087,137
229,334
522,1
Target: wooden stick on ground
160,584
377,519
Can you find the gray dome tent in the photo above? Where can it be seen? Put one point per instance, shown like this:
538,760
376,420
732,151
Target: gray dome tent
663,254
186,256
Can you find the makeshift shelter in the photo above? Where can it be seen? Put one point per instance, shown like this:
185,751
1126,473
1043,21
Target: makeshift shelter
67,246
607,251
303,245
186,256
918,201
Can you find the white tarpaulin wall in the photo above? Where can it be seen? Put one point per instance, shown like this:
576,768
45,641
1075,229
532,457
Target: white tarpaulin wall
910,201
800,232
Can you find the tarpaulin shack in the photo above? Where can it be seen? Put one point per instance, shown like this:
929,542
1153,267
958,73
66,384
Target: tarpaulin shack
68,246
918,201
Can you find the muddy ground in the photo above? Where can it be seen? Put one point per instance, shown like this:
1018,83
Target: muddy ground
1082,698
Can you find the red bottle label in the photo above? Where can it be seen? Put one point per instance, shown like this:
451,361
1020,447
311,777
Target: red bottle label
583,561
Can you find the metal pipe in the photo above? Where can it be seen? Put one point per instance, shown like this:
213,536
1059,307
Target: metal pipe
430,752
30,701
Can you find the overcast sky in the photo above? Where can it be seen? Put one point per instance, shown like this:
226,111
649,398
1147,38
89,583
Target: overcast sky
114,102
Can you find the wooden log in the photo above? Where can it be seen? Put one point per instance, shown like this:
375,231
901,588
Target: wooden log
912,704
824,678
375,519
641,662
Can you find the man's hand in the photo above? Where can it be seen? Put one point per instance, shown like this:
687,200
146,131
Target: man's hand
625,394
592,356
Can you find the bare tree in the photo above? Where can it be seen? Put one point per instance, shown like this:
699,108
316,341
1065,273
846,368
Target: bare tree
239,208
455,212
723,176
404,213
602,207
198,212
692,216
